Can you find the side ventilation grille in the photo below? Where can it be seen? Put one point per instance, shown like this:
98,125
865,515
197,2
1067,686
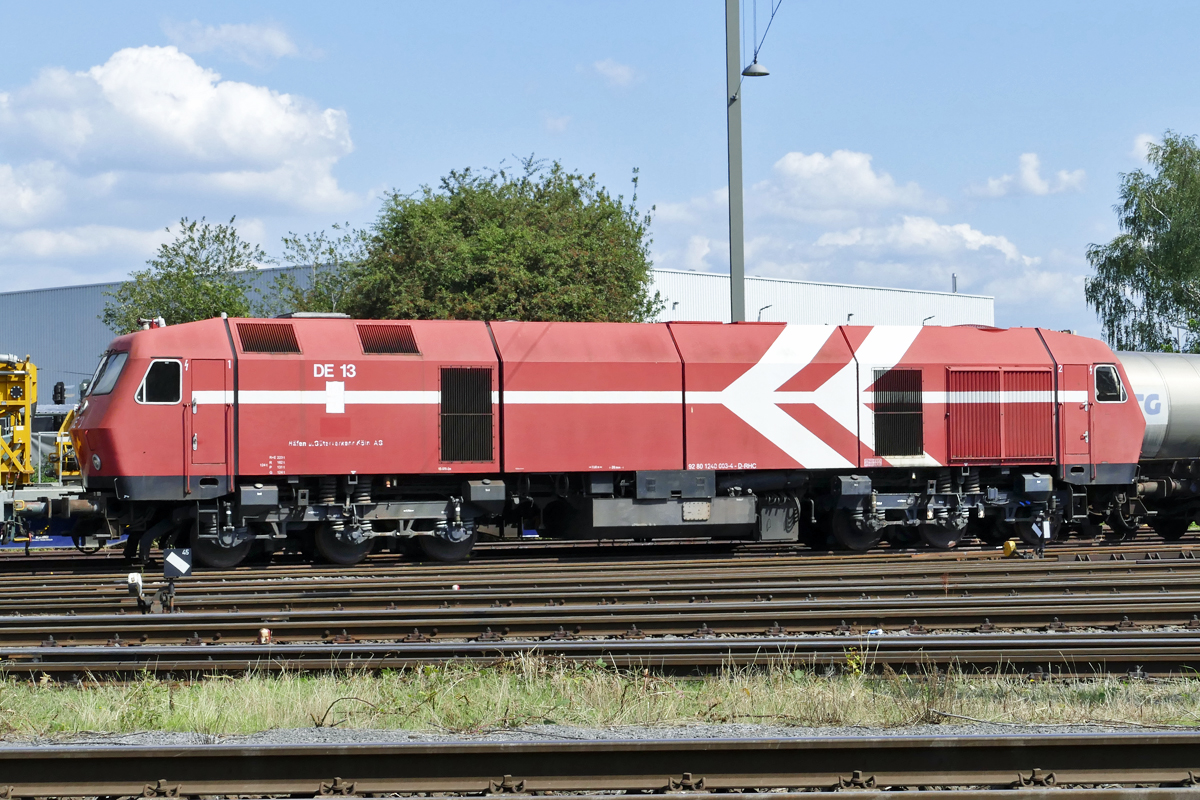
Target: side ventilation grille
267,337
899,428
466,413
387,340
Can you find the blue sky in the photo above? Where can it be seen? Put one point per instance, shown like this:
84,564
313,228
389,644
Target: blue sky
893,144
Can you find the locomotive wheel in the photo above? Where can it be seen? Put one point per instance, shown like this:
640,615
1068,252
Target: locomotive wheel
1121,528
435,548
208,553
850,536
939,537
336,551
1170,529
1028,534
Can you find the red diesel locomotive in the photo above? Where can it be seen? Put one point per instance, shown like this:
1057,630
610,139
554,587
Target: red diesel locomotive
329,433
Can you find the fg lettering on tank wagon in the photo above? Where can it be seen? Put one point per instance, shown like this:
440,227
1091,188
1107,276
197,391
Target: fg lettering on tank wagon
336,435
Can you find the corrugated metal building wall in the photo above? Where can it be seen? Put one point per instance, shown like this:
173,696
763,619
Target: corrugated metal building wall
61,327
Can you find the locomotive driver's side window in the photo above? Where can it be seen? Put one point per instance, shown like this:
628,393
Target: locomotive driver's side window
1108,385
107,373
163,384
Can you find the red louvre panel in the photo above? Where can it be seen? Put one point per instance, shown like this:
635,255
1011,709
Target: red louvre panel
268,337
1028,414
974,410
388,340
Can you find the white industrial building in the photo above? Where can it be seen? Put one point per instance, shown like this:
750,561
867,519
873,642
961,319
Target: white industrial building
705,296
61,327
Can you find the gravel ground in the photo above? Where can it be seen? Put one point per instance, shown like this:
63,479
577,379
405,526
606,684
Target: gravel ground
537,733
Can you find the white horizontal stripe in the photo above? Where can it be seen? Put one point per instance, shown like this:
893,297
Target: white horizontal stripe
212,397
592,398
260,397
990,397
776,398
784,398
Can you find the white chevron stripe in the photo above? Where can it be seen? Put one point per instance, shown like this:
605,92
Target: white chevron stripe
752,396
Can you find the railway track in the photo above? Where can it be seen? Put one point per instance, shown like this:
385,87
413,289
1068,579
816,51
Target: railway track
588,582
386,615
1048,655
15,561
857,766
624,620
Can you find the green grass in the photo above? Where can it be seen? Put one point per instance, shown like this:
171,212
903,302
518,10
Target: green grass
536,691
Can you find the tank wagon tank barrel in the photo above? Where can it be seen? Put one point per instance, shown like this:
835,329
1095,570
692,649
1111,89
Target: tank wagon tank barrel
335,435
1166,387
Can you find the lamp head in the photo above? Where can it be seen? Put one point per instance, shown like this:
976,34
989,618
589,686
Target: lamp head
755,70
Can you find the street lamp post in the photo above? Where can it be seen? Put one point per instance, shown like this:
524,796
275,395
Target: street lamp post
733,86
733,93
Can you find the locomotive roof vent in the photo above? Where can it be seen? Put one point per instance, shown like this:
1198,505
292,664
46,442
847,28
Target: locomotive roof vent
388,340
313,315
268,337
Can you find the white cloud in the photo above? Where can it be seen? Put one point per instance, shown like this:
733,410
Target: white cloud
696,254
616,73
28,192
832,189
1029,180
556,124
841,218
253,44
154,109
97,161
1141,145
922,236
82,241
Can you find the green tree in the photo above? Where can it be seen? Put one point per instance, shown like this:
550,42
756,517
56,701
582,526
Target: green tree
332,264
1146,284
540,243
205,271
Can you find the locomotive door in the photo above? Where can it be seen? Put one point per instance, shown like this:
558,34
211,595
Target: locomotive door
207,415
1074,382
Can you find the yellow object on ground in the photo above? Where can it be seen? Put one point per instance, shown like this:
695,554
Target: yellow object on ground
65,462
18,393
1010,547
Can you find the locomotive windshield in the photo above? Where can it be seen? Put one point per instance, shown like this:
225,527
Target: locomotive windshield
107,373
1108,385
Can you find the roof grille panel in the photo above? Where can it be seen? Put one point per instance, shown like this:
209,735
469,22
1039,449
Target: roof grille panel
268,337
388,340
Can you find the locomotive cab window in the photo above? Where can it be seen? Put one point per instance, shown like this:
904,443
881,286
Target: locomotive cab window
107,373
1108,385
163,383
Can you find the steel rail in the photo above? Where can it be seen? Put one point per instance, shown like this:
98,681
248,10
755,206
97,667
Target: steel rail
61,596
47,593
681,765
515,556
848,564
1076,654
635,619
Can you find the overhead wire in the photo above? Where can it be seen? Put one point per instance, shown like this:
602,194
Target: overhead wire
774,9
